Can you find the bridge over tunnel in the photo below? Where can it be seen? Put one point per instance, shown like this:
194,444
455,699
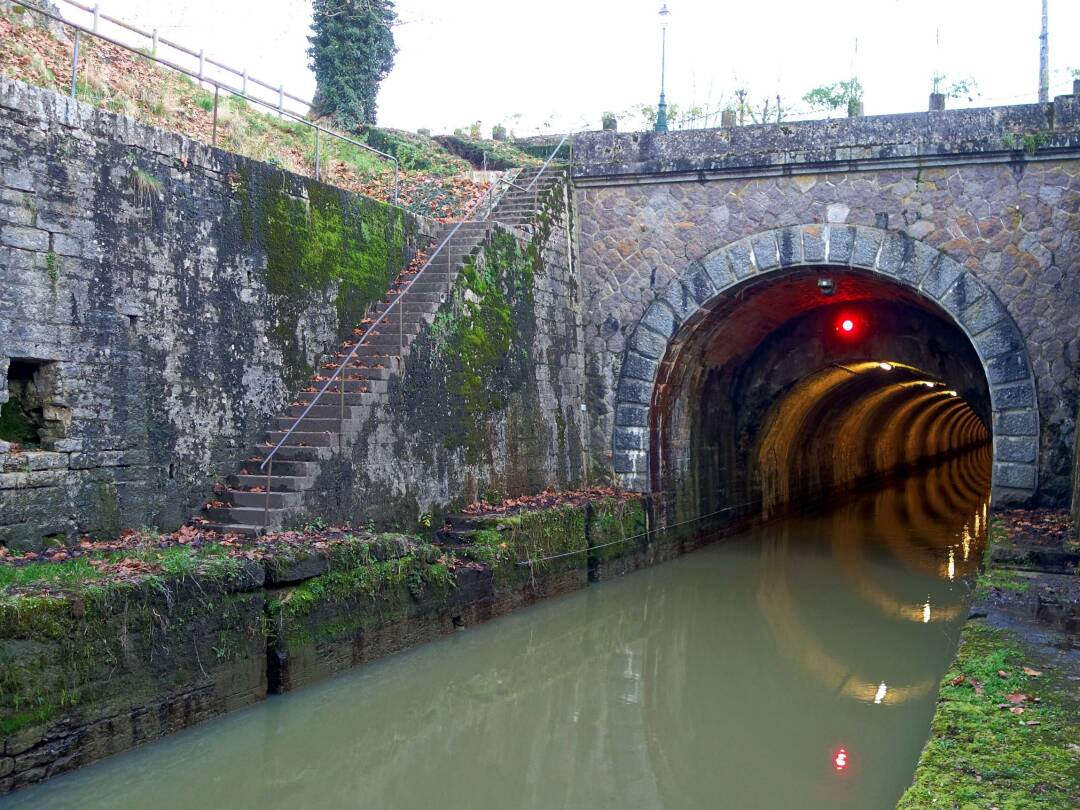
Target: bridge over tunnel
792,385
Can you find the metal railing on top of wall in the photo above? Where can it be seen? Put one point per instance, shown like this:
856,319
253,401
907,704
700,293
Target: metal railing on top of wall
200,76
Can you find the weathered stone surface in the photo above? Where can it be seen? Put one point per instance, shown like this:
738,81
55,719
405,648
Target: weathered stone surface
931,224
841,244
741,260
1015,476
790,243
648,343
1016,423
716,265
1006,368
633,415
1021,449
766,253
983,314
639,367
867,244
941,275
660,317
24,238
1008,397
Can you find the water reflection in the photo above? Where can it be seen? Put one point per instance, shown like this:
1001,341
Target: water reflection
791,667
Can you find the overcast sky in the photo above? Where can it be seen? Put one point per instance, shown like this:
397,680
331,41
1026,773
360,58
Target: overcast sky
560,63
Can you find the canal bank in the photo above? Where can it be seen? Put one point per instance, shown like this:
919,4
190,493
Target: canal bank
114,644
1006,732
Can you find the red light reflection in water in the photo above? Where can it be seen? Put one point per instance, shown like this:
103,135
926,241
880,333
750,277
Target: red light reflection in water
840,761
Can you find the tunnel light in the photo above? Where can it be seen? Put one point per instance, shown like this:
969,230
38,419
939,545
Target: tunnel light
885,366
929,384
840,759
850,325
952,393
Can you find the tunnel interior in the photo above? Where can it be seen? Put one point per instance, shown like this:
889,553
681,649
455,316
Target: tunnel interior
799,387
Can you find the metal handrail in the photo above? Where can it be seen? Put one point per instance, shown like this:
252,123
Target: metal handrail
367,333
551,157
339,371
218,85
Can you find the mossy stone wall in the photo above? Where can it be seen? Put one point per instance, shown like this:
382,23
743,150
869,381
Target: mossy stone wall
178,296
490,404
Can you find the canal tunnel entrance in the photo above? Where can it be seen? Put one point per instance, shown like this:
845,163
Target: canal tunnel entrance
794,388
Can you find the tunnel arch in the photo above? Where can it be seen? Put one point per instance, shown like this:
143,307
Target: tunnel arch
872,264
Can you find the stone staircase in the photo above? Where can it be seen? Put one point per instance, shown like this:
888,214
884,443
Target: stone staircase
256,500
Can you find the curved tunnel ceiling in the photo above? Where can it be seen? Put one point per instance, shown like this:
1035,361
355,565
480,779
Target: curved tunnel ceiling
808,393
848,423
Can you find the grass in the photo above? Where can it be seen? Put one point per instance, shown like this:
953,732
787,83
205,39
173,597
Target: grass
983,756
133,85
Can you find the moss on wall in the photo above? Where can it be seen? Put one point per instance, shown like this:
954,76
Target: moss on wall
377,588
110,644
617,527
318,241
483,339
548,540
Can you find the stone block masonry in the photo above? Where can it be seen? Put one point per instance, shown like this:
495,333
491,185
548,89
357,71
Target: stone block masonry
997,191
159,301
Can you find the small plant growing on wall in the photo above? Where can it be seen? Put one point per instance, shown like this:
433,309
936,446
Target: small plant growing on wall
846,95
146,186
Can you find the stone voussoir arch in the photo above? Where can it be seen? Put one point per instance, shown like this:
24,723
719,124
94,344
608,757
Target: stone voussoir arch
932,273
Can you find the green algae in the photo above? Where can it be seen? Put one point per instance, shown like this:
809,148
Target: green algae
319,242
980,755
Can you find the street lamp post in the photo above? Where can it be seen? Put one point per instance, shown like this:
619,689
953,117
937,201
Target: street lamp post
661,109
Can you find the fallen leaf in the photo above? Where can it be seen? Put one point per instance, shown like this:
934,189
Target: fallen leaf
1032,673
1017,710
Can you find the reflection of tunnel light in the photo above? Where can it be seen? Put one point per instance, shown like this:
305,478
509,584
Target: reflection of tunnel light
926,611
880,694
952,564
840,760
885,366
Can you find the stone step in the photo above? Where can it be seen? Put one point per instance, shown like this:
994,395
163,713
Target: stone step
308,425
301,439
351,398
357,369
282,468
293,452
329,409
278,483
245,515
257,500
241,529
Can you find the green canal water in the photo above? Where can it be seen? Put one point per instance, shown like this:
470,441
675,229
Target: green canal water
794,666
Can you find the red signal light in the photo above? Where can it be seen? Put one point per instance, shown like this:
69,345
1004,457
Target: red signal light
840,760
849,326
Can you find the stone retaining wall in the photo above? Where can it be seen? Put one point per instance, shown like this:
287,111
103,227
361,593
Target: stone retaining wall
159,299
97,669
